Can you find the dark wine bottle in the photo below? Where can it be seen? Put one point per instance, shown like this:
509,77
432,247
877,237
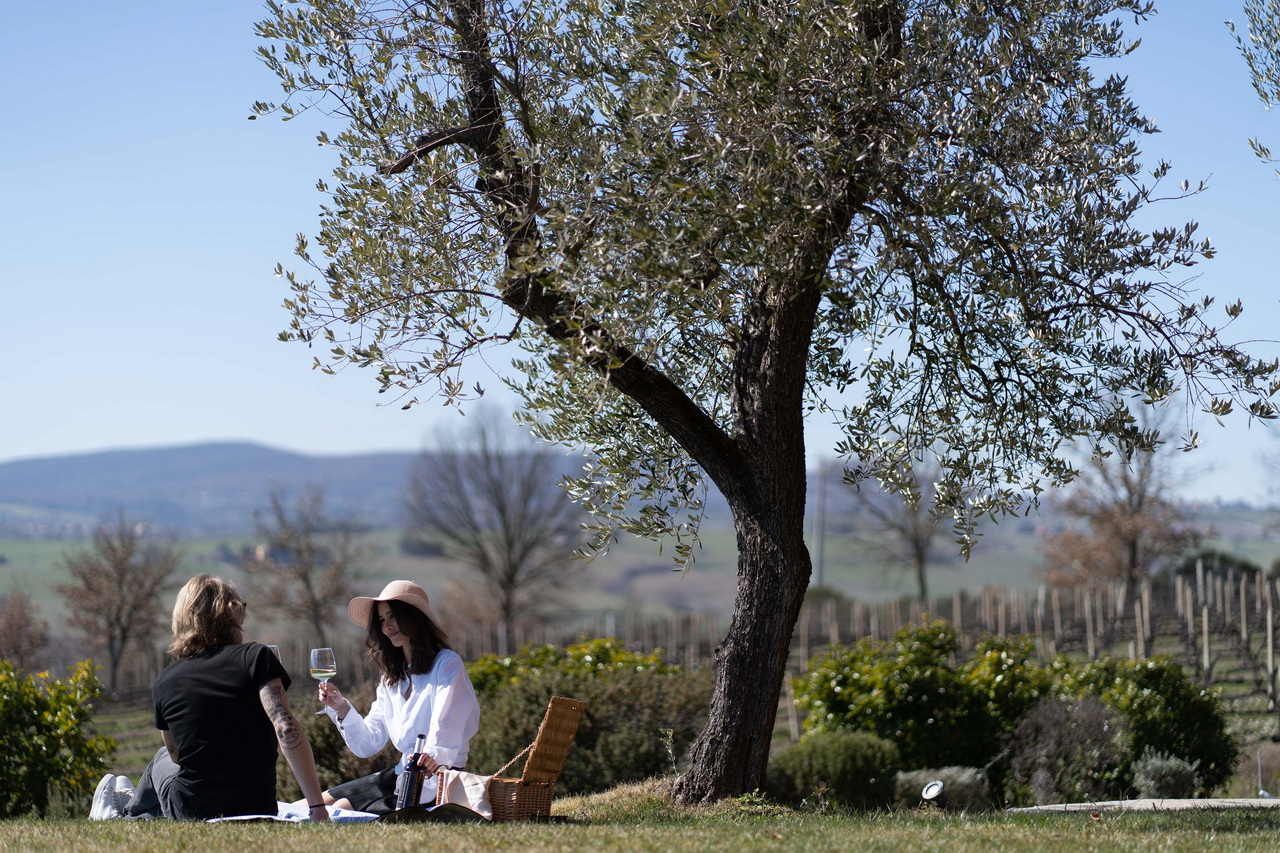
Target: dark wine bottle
409,785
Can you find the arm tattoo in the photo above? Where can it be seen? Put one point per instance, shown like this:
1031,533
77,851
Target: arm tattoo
170,744
276,704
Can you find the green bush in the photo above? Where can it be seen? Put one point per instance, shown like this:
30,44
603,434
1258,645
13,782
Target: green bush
603,656
910,691
852,769
46,747
640,718
1067,750
914,691
1165,711
1159,776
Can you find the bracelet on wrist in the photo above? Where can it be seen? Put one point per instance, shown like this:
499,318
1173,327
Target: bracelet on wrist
318,806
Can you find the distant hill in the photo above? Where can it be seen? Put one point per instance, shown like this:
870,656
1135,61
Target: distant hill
203,488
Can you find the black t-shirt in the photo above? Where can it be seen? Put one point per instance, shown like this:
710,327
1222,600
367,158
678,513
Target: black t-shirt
210,705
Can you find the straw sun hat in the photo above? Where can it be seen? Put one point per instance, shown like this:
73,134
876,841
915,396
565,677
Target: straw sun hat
360,609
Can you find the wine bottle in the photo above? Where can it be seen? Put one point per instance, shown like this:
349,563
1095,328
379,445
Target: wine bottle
409,785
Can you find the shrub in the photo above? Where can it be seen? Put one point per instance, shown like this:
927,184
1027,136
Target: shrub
912,691
1165,711
1067,751
45,743
967,788
491,673
1160,776
852,769
909,691
640,718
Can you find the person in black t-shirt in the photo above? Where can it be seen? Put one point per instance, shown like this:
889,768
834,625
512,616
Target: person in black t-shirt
221,709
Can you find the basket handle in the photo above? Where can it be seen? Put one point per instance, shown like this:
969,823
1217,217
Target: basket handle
522,754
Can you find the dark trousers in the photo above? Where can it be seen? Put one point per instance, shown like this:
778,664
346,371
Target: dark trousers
154,795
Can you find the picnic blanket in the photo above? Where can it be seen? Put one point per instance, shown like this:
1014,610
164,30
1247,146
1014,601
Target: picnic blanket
297,813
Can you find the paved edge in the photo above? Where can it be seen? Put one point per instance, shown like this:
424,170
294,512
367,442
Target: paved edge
1150,805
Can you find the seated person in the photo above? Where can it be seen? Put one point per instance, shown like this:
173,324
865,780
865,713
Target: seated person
424,689
221,709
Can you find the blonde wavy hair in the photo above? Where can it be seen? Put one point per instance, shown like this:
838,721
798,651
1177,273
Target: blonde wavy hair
209,611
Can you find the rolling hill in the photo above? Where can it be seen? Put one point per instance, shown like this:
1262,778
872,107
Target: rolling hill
202,488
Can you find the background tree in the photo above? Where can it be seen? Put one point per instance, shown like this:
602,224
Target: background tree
492,499
23,634
305,565
697,220
115,588
902,524
1127,522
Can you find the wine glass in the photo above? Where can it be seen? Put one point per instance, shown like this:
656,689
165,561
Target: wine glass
323,666
275,650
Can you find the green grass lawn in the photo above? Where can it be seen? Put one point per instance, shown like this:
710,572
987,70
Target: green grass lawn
639,818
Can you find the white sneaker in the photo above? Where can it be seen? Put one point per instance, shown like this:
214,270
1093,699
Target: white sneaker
123,793
104,800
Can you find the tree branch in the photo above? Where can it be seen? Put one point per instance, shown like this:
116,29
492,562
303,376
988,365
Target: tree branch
427,143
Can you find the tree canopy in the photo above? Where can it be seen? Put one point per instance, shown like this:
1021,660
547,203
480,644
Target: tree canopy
701,221
1260,47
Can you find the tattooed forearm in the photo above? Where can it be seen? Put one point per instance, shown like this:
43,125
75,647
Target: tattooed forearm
276,704
170,744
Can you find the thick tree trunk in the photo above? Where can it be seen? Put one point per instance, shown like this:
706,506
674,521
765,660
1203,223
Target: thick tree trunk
730,756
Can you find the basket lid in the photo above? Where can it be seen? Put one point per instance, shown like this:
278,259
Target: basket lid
555,736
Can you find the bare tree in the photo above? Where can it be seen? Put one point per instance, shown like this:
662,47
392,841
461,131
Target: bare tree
1129,520
491,498
306,561
115,588
901,520
23,634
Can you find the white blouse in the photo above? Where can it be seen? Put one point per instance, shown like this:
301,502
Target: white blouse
441,704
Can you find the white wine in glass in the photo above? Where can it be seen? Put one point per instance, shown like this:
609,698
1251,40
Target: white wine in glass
323,666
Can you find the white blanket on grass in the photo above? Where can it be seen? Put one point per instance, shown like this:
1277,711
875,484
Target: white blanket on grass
297,813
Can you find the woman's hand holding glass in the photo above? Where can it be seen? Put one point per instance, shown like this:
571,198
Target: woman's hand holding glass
331,697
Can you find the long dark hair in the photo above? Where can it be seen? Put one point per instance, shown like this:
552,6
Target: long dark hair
426,640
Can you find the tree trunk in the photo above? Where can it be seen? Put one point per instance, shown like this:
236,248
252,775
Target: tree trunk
922,581
730,755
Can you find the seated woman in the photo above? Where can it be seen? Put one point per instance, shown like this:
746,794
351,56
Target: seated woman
221,709
423,689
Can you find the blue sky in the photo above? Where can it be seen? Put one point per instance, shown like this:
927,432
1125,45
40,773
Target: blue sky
144,214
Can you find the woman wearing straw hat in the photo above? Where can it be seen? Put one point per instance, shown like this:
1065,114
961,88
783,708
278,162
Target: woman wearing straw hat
423,689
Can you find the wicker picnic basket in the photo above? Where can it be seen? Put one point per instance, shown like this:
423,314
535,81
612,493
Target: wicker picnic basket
530,795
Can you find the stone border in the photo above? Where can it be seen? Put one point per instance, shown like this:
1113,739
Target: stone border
1151,805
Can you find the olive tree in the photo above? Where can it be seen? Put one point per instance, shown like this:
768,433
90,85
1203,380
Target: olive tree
700,222
1260,47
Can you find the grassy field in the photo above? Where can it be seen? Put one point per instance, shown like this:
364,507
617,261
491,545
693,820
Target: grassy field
640,818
